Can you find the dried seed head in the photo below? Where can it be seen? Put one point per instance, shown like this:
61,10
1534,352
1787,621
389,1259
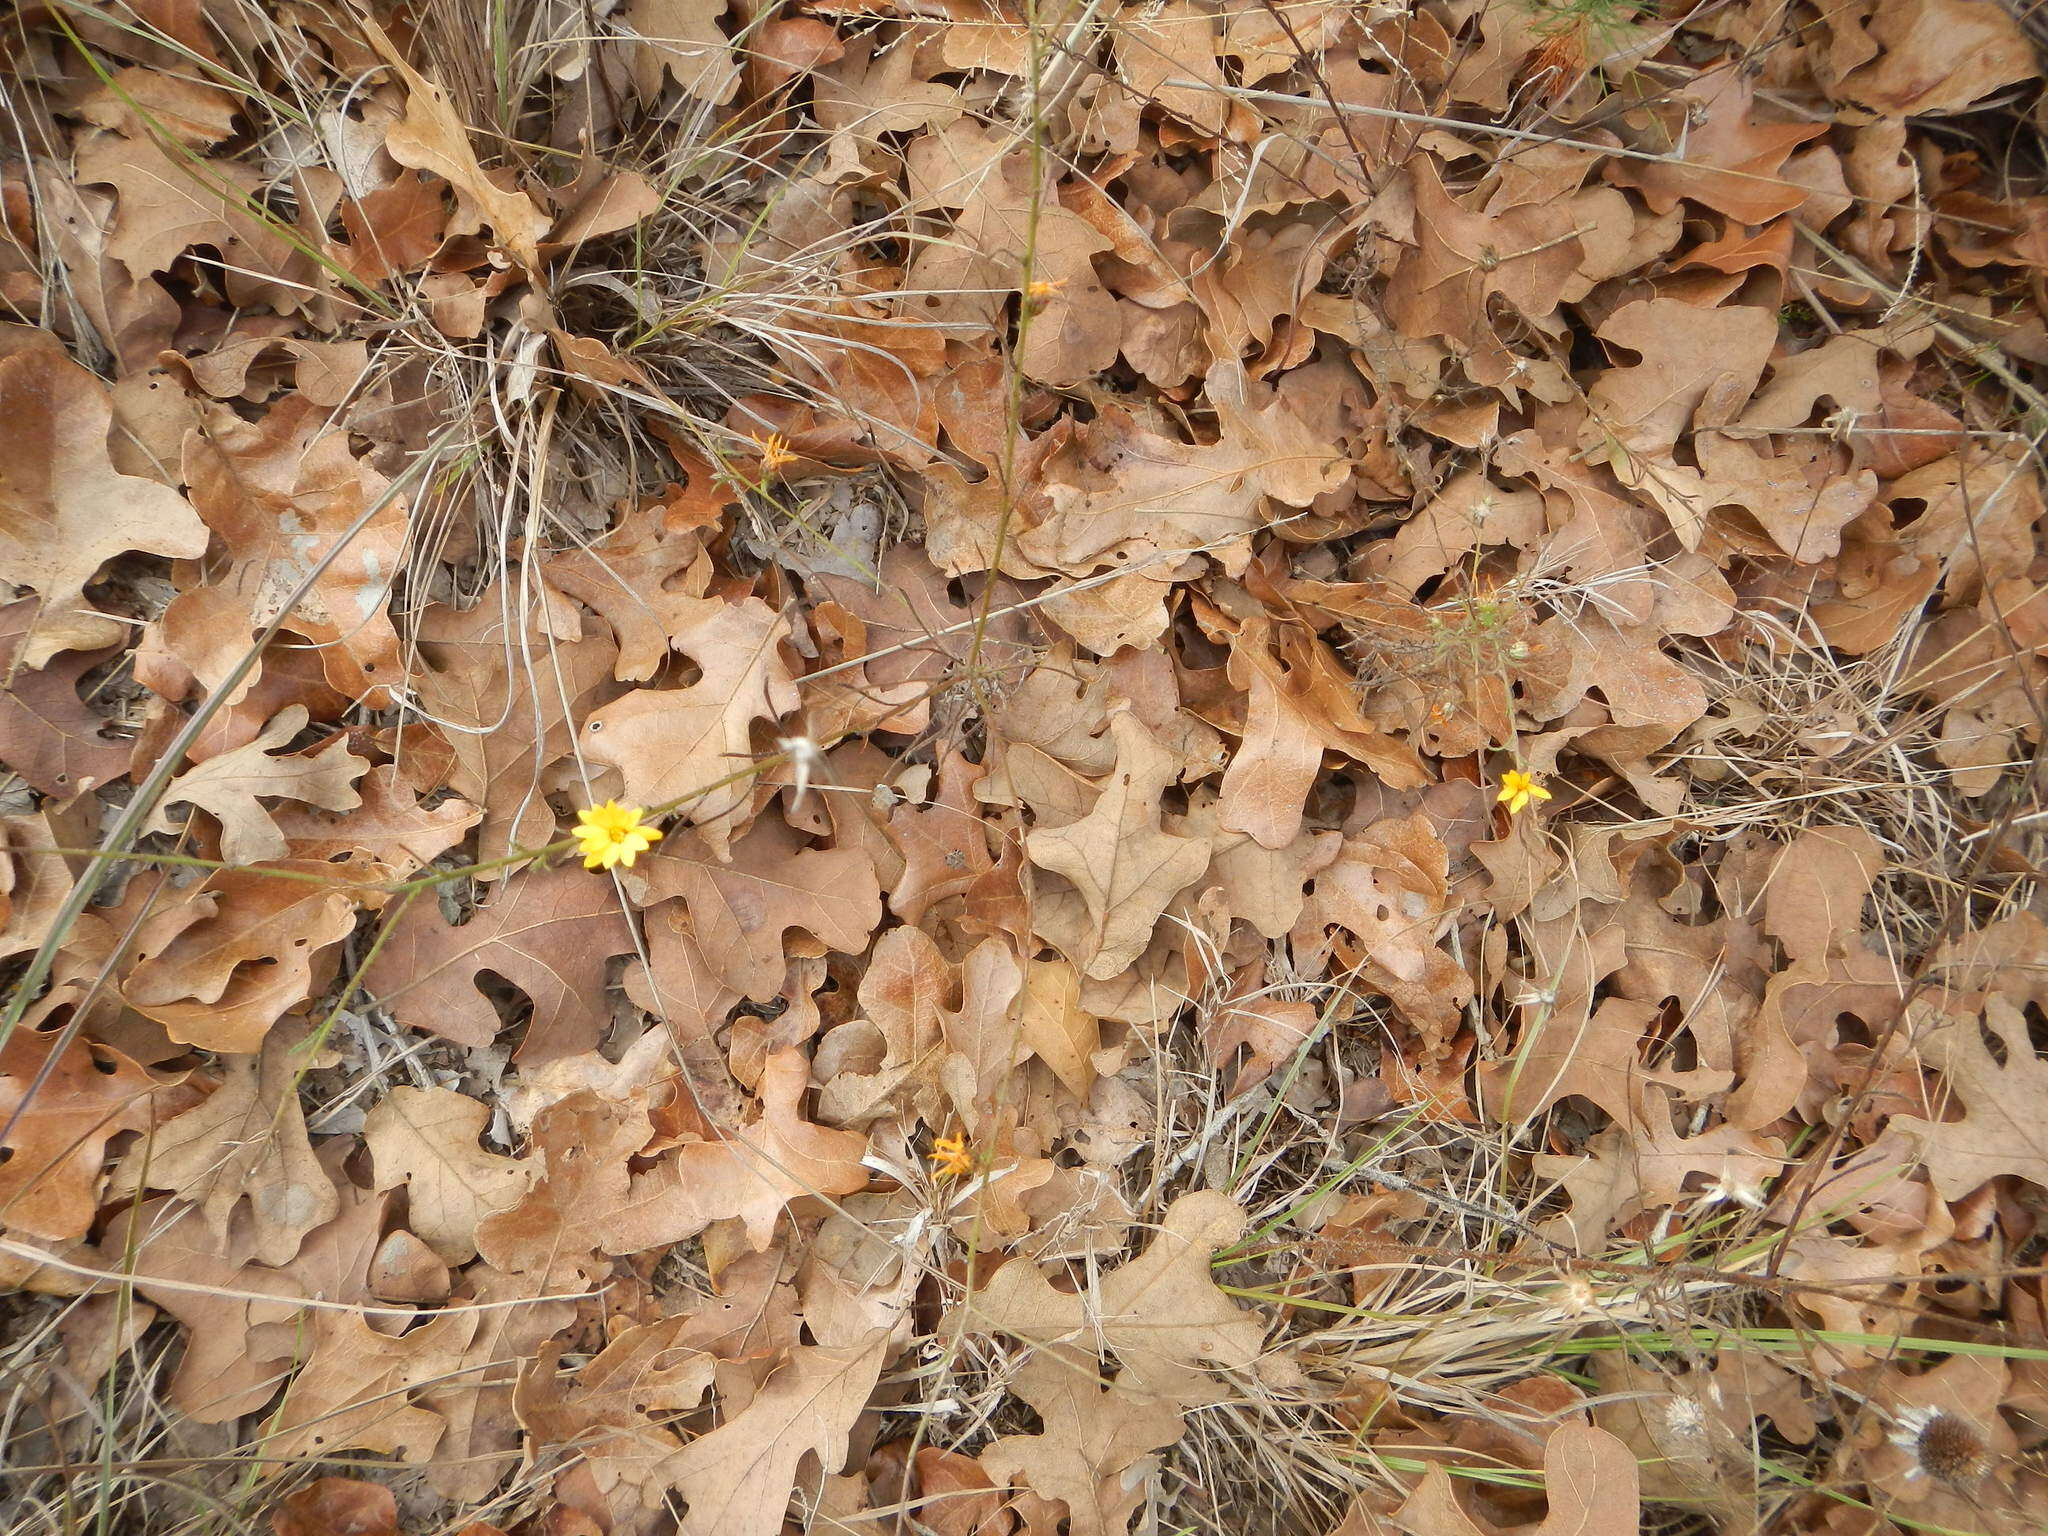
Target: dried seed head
1944,1445
1950,1449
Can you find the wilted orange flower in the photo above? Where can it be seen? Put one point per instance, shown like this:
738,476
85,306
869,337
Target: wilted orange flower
950,1157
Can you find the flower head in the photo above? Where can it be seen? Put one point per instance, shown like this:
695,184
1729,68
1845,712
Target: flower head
775,452
950,1157
612,833
1517,789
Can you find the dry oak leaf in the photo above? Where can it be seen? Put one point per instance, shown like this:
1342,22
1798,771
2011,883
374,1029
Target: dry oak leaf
1126,495
232,787
1730,162
2002,1129
1698,369
236,1343
1059,1031
683,38
134,101
738,1477
287,496
583,1144
65,511
431,137
1389,886
508,682
614,1412
752,1173
168,204
354,1391
1161,1313
58,1128
1939,56
550,932
943,1031
1813,897
1288,724
391,827
426,1139
694,744
1589,1477
246,1141
47,734
1092,1440
1462,259
741,909
625,578
222,966
1124,865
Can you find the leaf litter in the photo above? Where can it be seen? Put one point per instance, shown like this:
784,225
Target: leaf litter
1345,710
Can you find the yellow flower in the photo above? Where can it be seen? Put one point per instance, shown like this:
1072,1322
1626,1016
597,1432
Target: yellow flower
950,1157
1042,290
1517,789
613,834
775,452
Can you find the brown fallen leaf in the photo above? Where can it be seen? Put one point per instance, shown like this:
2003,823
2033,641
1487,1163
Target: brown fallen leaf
2001,1130
286,495
742,910
431,137
337,1506
232,787
682,37
426,1140
694,744
1161,1314
1588,1475
65,511
62,1102
1389,886
47,734
1126,868
1462,258
220,967
391,827
354,1391
752,1173
737,1478
246,1142
551,933
1091,1454
509,679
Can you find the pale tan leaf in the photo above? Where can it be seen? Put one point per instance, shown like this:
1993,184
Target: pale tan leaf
426,1140
1125,867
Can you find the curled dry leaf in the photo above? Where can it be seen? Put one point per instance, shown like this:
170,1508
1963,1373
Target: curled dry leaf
240,951
431,137
62,1101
